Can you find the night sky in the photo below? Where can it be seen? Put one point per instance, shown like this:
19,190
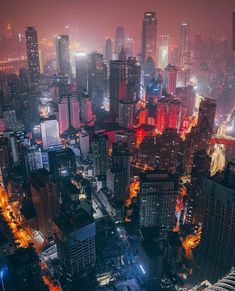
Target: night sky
96,19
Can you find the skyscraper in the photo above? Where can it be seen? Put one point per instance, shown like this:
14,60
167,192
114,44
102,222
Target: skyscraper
206,117
116,182
121,157
169,150
108,50
170,78
162,114
184,44
158,193
200,171
62,162
81,72
63,55
45,197
174,114
133,79
75,240
33,55
63,115
24,270
10,122
126,113
117,86
216,251
34,158
84,142
86,108
49,133
130,47
149,71
149,37
96,80
99,147
120,39
122,55
74,113
163,51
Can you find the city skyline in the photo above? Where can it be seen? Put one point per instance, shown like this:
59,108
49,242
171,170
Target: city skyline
76,19
117,155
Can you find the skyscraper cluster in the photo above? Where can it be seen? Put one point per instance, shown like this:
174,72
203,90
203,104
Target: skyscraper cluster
117,167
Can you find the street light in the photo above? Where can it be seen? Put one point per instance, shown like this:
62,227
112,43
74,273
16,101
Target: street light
2,274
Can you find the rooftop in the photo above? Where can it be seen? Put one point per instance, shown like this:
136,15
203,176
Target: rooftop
69,224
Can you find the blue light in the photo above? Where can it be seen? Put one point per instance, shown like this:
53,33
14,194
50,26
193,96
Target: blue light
142,269
3,271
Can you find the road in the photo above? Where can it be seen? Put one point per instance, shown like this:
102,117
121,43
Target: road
22,233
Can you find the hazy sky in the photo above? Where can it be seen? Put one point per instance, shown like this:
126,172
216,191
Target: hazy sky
96,19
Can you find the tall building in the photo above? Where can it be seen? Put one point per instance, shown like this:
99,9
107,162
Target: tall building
183,78
42,59
99,147
149,71
149,37
163,56
126,113
50,133
75,240
130,47
34,158
116,182
81,71
117,86
158,193
184,44
174,114
162,114
96,80
68,113
62,163
9,118
63,55
24,270
74,112
24,80
5,162
84,141
120,39
193,143
121,157
45,197
169,150
86,108
63,115
200,171
216,254
133,79
206,117
108,50
187,96
170,73
122,55
33,55
200,135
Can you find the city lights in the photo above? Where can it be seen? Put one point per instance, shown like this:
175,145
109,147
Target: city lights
117,145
